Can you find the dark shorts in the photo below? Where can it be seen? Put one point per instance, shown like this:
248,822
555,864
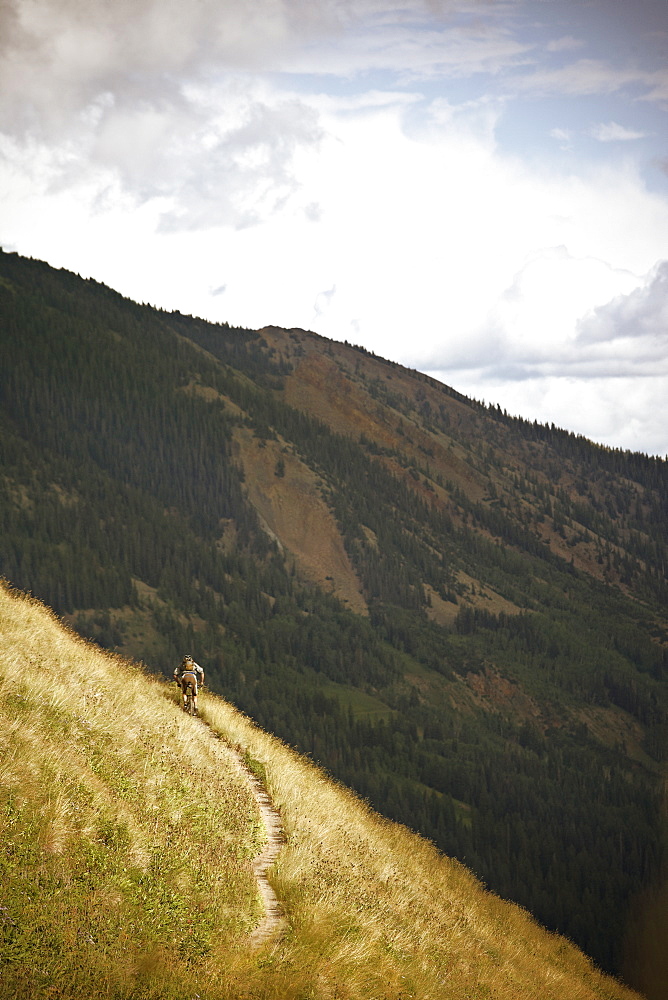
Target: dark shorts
189,679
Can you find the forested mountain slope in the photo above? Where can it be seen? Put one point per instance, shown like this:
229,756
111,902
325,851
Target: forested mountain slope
462,615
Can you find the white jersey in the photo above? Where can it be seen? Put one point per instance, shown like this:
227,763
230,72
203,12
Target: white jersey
191,667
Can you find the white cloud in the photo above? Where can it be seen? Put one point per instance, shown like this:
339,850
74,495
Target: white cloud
563,136
636,323
588,77
218,157
61,58
240,169
162,99
612,132
58,56
565,44
420,52
536,315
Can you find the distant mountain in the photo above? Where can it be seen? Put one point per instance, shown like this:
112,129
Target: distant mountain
462,615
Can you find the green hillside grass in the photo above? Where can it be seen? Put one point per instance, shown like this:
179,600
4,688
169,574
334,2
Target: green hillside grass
127,840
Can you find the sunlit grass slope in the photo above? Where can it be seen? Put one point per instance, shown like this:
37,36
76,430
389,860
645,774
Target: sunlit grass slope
126,839
125,832
377,912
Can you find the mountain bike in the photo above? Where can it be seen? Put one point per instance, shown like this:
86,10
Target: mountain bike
189,698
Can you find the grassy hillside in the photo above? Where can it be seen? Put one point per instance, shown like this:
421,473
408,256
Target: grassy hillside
127,840
460,615
126,832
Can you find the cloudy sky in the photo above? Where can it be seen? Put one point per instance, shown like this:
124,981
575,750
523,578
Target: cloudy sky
474,188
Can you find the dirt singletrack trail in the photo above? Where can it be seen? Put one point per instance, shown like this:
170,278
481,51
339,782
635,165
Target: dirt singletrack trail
273,923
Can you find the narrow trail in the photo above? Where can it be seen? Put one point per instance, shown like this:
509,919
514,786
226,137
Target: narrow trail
273,923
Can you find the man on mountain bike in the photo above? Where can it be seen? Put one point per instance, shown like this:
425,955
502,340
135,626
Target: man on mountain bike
188,675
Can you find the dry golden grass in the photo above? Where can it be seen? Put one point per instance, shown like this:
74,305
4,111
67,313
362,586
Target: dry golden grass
125,857
127,834
377,912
